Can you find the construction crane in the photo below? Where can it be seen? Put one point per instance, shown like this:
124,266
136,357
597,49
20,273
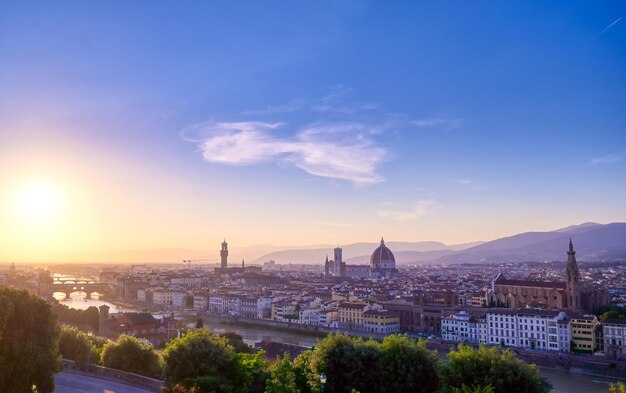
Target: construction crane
188,261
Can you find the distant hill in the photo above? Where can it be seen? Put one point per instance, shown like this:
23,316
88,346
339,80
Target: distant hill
592,242
358,253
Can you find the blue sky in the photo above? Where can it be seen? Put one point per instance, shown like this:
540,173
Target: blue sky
306,122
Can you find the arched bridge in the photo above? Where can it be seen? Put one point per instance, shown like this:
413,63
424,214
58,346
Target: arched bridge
68,287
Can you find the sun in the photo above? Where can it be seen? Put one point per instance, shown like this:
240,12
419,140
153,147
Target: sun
37,203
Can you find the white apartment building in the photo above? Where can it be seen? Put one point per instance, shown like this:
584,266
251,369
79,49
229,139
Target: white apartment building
322,317
200,301
264,307
216,304
565,335
527,328
614,331
162,297
179,299
141,295
456,327
463,327
232,305
285,311
328,317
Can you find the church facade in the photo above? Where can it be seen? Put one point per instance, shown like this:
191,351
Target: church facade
572,294
382,264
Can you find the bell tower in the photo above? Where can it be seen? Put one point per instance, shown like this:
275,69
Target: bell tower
572,276
224,254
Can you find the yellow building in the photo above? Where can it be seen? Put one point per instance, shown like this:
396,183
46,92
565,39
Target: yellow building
381,321
584,332
285,311
351,315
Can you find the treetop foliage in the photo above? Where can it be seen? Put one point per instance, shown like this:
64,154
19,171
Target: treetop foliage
70,316
133,355
28,343
489,366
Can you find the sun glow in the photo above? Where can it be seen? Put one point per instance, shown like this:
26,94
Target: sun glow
37,204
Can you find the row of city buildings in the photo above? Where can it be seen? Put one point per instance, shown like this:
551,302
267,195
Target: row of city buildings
377,298
538,329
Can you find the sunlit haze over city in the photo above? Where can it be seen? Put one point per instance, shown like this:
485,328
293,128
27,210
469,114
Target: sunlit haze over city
129,130
356,196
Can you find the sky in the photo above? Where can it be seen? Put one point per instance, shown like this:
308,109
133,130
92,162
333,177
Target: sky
131,129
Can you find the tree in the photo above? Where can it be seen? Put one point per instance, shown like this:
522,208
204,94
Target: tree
237,342
610,312
179,389
209,362
252,371
199,323
490,366
97,346
89,317
407,366
303,371
617,387
282,378
28,343
132,355
354,364
474,389
74,345
348,362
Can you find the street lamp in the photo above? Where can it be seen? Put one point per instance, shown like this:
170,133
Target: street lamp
323,381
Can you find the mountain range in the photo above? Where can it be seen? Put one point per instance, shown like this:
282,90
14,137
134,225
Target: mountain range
592,242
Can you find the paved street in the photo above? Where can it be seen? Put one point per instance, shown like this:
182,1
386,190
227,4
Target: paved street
77,383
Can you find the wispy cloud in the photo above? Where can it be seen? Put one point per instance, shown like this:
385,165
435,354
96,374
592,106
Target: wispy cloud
419,209
468,183
333,150
440,122
339,100
609,159
342,144
611,25
291,106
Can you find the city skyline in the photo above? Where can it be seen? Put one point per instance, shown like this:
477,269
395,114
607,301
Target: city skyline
141,127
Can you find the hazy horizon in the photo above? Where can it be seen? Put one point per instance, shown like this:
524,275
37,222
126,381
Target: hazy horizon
154,126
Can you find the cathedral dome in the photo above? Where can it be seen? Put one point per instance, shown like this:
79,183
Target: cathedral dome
382,258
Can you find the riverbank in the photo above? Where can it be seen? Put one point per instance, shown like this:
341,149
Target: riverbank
591,366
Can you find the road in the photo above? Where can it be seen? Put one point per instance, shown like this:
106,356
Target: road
79,383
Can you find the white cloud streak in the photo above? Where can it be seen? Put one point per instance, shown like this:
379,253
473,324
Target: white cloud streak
333,150
611,25
338,101
468,183
291,106
438,122
609,159
419,209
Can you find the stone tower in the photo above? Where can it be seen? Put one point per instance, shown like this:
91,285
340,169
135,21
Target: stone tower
326,267
224,254
104,317
337,262
572,277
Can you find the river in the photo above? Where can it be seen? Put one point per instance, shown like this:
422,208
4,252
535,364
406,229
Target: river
79,301
562,382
